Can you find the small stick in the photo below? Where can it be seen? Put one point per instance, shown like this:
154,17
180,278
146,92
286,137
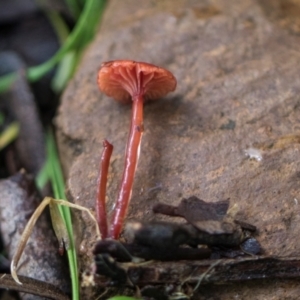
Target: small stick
165,209
101,191
32,286
225,271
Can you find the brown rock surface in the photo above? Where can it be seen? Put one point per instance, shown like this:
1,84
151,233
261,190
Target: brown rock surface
237,66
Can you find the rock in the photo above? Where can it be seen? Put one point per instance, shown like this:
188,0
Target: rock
238,88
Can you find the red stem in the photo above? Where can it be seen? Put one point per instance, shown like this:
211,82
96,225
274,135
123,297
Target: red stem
131,159
101,191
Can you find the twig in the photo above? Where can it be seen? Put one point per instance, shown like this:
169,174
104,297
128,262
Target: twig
32,286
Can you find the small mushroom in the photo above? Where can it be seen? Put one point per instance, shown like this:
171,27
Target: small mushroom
101,191
132,82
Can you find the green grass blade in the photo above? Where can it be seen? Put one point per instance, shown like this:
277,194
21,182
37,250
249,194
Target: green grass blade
59,25
64,71
68,63
54,168
6,81
81,34
73,7
57,180
9,134
42,177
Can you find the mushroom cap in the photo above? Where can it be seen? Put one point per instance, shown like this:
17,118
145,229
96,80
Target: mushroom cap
125,79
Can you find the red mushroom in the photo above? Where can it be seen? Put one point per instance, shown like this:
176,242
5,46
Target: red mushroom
126,81
101,192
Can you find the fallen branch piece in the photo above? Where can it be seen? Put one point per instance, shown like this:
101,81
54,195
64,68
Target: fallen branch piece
32,286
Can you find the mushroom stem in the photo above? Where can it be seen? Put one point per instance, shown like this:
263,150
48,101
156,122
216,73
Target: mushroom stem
131,159
101,191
